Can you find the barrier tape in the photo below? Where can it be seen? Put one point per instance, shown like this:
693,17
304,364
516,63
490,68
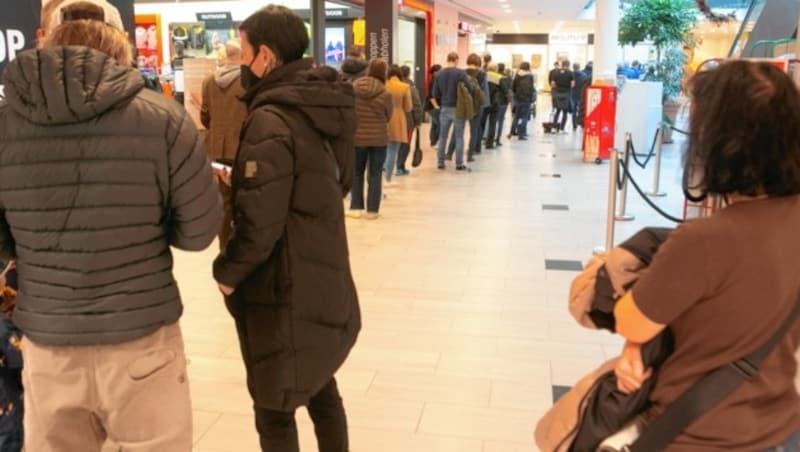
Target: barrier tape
625,175
649,155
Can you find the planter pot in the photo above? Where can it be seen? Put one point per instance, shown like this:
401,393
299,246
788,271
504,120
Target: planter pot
671,110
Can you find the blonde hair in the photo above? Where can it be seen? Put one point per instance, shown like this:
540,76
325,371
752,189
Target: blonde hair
48,10
96,35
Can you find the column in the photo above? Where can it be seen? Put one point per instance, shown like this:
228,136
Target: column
381,16
606,41
318,30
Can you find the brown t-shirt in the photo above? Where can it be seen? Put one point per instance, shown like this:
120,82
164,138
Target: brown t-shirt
723,285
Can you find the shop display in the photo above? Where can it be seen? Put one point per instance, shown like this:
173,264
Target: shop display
335,50
148,43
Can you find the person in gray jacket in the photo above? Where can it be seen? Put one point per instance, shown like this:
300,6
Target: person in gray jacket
100,177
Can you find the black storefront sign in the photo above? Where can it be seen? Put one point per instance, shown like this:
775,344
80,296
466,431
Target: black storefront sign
19,20
216,21
381,18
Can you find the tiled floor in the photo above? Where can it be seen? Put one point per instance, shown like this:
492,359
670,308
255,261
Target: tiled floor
465,328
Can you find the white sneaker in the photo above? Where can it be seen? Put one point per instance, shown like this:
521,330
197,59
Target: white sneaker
355,214
372,216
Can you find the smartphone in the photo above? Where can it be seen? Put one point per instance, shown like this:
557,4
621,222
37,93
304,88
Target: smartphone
221,167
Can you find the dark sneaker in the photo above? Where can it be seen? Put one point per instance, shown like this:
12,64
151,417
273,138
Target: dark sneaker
523,138
442,166
462,168
470,159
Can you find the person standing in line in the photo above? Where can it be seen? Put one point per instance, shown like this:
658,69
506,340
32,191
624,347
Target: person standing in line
413,121
579,83
524,96
487,61
588,73
373,110
286,270
223,113
354,66
429,108
506,99
475,72
444,99
496,99
119,177
403,104
562,85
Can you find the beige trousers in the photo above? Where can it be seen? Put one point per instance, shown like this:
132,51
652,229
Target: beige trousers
134,394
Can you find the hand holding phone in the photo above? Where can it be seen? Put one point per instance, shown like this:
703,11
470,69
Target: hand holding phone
222,172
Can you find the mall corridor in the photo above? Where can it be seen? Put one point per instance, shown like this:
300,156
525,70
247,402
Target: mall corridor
463,284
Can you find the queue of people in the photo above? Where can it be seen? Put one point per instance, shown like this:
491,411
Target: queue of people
98,306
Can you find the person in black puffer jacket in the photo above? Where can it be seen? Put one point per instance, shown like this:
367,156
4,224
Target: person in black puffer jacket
99,177
286,269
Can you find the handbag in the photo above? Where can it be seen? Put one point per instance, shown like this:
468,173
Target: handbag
417,160
700,398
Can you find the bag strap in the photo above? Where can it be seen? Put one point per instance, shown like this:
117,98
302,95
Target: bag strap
708,393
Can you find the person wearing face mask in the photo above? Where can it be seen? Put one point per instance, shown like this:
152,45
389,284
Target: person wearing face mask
285,271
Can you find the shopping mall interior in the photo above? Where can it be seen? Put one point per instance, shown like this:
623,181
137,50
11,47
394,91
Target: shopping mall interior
464,280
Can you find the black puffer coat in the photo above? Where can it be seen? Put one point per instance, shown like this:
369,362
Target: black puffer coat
98,178
295,303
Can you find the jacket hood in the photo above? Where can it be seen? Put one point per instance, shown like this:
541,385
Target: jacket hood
68,85
227,75
354,66
368,88
318,92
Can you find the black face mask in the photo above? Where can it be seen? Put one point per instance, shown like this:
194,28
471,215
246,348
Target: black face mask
249,78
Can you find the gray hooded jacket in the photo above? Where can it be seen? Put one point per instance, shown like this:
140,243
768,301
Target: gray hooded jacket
98,178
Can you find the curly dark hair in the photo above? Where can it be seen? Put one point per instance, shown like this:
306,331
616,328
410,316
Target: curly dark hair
745,132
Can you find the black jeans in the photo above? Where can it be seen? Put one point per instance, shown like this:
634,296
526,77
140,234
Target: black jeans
278,431
492,116
564,115
369,161
405,151
435,127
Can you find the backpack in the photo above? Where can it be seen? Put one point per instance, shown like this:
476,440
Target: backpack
478,97
496,95
465,103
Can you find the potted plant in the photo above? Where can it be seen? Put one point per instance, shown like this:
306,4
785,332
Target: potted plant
668,25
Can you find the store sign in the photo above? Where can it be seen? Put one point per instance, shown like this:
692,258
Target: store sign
17,30
569,38
466,28
19,21
381,18
338,13
216,21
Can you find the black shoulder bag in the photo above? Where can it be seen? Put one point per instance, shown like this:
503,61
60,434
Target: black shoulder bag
708,393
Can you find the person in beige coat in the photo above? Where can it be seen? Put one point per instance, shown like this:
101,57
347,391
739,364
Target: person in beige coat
398,125
223,114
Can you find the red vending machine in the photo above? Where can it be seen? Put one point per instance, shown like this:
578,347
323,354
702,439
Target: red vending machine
600,122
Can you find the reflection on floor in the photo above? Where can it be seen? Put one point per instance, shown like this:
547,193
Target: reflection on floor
463,283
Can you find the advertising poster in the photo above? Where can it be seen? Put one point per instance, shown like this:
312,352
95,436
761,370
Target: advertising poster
147,37
335,46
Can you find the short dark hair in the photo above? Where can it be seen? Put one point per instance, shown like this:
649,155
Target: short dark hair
435,68
452,57
395,71
378,69
487,58
565,64
501,67
406,71
744,135
474,60
280,29
525,66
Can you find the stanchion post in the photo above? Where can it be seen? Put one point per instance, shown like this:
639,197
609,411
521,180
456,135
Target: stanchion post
623,201
612,203
656,192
